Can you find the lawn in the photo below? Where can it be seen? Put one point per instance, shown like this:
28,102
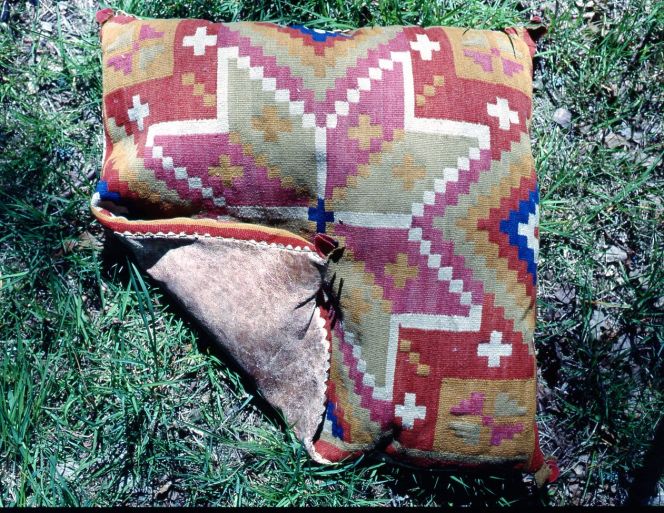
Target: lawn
110,396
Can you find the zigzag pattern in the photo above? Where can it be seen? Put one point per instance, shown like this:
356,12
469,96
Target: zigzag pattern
409,146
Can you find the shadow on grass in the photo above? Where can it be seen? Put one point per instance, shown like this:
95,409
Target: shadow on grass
453,487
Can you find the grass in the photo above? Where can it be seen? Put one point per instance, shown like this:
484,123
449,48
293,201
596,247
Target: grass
110,396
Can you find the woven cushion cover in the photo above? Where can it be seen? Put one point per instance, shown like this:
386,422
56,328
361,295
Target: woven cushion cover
241,158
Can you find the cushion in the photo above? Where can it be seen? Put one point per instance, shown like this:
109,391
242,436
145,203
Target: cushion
352,216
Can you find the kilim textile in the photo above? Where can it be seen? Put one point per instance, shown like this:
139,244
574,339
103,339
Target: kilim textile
352,215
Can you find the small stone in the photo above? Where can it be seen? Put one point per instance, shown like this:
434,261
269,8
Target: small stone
563,117
66,469
598,321
89,241
626,132
47,26
565,294
579,470
615,254
163,490
613,140
650,161
621,345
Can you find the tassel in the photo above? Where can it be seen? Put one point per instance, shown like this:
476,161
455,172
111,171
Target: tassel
104,15
547,473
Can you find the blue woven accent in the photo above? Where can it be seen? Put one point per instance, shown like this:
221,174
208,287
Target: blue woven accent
337,430
105,194
317,35
510,227
320,215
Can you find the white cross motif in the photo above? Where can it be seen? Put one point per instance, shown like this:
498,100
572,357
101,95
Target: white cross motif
139,112
494,349
409,411
501,110
199,41
229,59
424,46
528,231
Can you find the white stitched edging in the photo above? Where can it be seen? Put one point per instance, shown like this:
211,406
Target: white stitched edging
321,322
183,235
